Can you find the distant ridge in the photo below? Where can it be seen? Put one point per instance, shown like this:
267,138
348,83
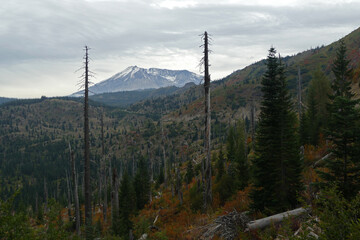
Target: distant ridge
5,100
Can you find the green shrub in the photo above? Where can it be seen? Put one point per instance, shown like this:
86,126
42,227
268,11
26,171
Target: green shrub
196,198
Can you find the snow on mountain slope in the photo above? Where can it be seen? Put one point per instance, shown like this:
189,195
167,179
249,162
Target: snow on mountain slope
135,78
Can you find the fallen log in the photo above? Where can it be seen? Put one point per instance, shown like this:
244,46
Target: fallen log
265,222
319,162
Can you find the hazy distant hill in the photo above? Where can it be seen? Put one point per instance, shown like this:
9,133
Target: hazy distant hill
232,96
5,100
308,61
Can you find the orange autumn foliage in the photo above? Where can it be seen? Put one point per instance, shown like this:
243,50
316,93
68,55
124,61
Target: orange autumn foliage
240,201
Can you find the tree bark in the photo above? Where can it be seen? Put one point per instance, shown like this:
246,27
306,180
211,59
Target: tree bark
88,215
207,164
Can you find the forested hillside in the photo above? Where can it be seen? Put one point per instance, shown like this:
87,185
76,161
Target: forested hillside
269,154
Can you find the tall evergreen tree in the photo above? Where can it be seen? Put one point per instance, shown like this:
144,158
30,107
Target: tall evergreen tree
315,118
127,206
277,166
242,167
230,144
142,184
225,184
343,129
236,154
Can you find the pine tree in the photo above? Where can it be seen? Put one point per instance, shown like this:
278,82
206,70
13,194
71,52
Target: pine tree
277,166
225,184
230,145
126,206
236,154
242,167
314,120
142,184
343,129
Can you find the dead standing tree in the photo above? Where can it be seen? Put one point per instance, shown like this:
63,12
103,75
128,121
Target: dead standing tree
85,77
68,194
207,195
299,93
164,154
103,168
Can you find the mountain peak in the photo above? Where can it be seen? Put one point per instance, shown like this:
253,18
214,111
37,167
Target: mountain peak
136,78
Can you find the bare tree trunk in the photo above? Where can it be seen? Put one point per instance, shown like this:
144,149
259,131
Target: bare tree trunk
100,183
164,155
105,195
45,196
115,196
265,222
36,203
299,93
133,165
178,186
252,119
151,163
116,192
83,185
57,190
88,215
76,196
103,164
207,163
110,175
68,195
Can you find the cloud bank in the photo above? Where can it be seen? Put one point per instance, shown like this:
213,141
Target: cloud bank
41,41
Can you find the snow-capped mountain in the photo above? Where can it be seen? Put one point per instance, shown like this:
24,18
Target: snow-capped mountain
135,78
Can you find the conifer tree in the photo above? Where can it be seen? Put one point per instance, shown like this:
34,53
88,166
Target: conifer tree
127,206
315,118
230,144
236,154
225,184
277,166
242,168
142,184
343,129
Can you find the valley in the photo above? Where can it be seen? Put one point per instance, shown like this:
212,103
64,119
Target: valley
156,135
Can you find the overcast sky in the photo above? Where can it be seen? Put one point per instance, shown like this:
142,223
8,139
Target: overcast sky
41,41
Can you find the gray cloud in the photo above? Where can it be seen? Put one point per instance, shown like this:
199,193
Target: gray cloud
41,41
